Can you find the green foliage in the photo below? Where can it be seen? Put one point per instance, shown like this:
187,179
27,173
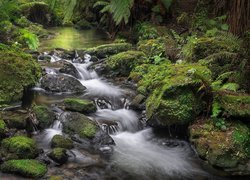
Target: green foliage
146,31
26,168
31,39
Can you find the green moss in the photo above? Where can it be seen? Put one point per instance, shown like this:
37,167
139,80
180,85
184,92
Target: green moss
58,155
58,141
237,105
89,130
79,105
171,90
19,147
106,50
232,149
14,119
18,71
3,128
124,62
26,168
44,115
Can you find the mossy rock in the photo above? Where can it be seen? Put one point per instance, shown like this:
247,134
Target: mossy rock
78,125
152,47
106,50
124,62
3,129
26,168
79,105
59,155
228,149
172,92
19,147
15,119
44,115
58,141
235,105
18,71
83,24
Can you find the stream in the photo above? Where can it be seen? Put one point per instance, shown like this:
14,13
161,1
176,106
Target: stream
138,152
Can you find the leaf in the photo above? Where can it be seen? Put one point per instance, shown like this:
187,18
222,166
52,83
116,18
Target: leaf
230,86
224,27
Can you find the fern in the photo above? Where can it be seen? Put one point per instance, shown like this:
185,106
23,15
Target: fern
230,86
31,39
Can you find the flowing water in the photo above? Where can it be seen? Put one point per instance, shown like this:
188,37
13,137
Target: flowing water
138,153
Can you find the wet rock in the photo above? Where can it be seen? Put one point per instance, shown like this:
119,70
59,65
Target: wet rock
58,141
91,135
44,116
61,84
227,149
94,59
19,147
15,119
25,168
59,155
63,53
67,68
137,102
106,50
79,105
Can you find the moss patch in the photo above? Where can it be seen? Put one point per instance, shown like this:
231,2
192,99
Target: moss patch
124,62
88,130
44,115
58,141
59,155
18,71
19,147
3,128
79,105
26,168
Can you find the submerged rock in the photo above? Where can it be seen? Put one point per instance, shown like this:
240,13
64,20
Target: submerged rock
61,84
19,147
59,155
59,141
79,105
44,115
92,136
106,50
26,168
227,149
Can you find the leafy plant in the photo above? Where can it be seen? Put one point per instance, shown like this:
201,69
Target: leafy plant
31,39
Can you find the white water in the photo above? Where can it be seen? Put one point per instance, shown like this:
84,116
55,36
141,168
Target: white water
134,152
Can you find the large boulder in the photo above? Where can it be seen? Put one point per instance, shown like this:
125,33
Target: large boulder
19,147
15,119
25,167
224,148
124,62
106,50
59,141
172,92
44,115
18,71
79,105
92,136
61,84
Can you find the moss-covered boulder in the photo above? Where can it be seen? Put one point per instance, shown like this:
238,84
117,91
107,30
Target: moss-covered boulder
19,147
124,62
228,149
3,129
86,129
79,105
59,141
172,92
235,105
15,119
25,167
44,115
106,50
18,71
59,155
